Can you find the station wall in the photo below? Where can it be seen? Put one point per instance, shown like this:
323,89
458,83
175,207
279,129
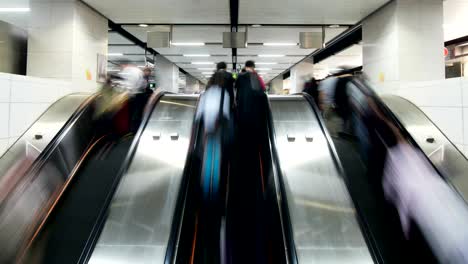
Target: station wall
24,98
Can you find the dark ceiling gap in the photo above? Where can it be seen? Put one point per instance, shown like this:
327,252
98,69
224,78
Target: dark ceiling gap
234,15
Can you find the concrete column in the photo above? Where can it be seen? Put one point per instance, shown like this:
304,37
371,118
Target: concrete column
299,75
276,85
65,38
166,74
192,85
404,42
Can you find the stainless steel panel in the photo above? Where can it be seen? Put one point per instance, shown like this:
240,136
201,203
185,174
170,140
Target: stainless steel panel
443,154
322,215
47,125
140,217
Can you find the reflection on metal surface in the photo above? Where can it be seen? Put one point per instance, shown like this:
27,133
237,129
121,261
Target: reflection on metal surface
140,217
443,154
46,126
322,215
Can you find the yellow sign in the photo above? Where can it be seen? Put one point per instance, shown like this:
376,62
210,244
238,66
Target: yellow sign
381,77
89,76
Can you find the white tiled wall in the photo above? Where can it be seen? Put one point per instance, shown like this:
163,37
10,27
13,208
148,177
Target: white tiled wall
23,99
444,101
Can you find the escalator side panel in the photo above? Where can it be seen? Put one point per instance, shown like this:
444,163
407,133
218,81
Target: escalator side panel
322,215
437,147
141,213
47,126
31,200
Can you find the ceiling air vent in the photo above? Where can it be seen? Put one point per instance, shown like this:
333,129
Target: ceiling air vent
234,40
310,40
158,39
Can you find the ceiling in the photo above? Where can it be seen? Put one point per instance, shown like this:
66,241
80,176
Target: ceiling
250,12
207,19
281,21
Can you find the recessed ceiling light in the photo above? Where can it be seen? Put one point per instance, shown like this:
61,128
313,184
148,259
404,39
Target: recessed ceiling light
206,73
271,55
188,43
202,62
334,26
266,63
196,55
15,9
279,44
143,25
114,54
256,25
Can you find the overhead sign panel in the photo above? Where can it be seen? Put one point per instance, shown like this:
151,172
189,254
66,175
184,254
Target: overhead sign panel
234,40
310,40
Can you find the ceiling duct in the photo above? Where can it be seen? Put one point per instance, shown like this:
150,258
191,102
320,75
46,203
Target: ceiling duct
158,39
311,40
235,40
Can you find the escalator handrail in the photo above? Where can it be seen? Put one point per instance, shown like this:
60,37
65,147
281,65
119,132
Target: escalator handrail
368,236
67,124
430,120
285,216
177,222
100,222
387,112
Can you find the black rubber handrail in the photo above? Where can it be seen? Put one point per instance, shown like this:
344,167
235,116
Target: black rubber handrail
78,112
285,216
177,222
368,236
100,222
390,116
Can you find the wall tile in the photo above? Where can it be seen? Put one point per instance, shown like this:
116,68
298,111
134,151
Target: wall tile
22,116
464,85
35,92
50,65
443,93
5,87
4,117
449,120
3,145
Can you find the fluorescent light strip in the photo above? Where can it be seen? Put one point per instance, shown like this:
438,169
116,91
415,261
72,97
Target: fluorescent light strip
206,73
15,9
196,55
266,63
188,43
114,54
270,55
263,69
143,25
202,62
279,44
206,69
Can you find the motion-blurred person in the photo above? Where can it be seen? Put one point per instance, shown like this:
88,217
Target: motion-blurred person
228,81
212,99
423,199
311,88
333,101
247,183
147,76
111,108
250,67
132,80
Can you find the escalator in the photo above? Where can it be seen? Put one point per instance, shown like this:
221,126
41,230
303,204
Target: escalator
25,195
67,188
333,184
326,225
141,224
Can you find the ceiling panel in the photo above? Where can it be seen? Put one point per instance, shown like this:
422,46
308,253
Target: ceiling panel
163,11
306,12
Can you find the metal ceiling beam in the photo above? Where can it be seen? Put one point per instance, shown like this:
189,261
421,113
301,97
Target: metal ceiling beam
234,15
